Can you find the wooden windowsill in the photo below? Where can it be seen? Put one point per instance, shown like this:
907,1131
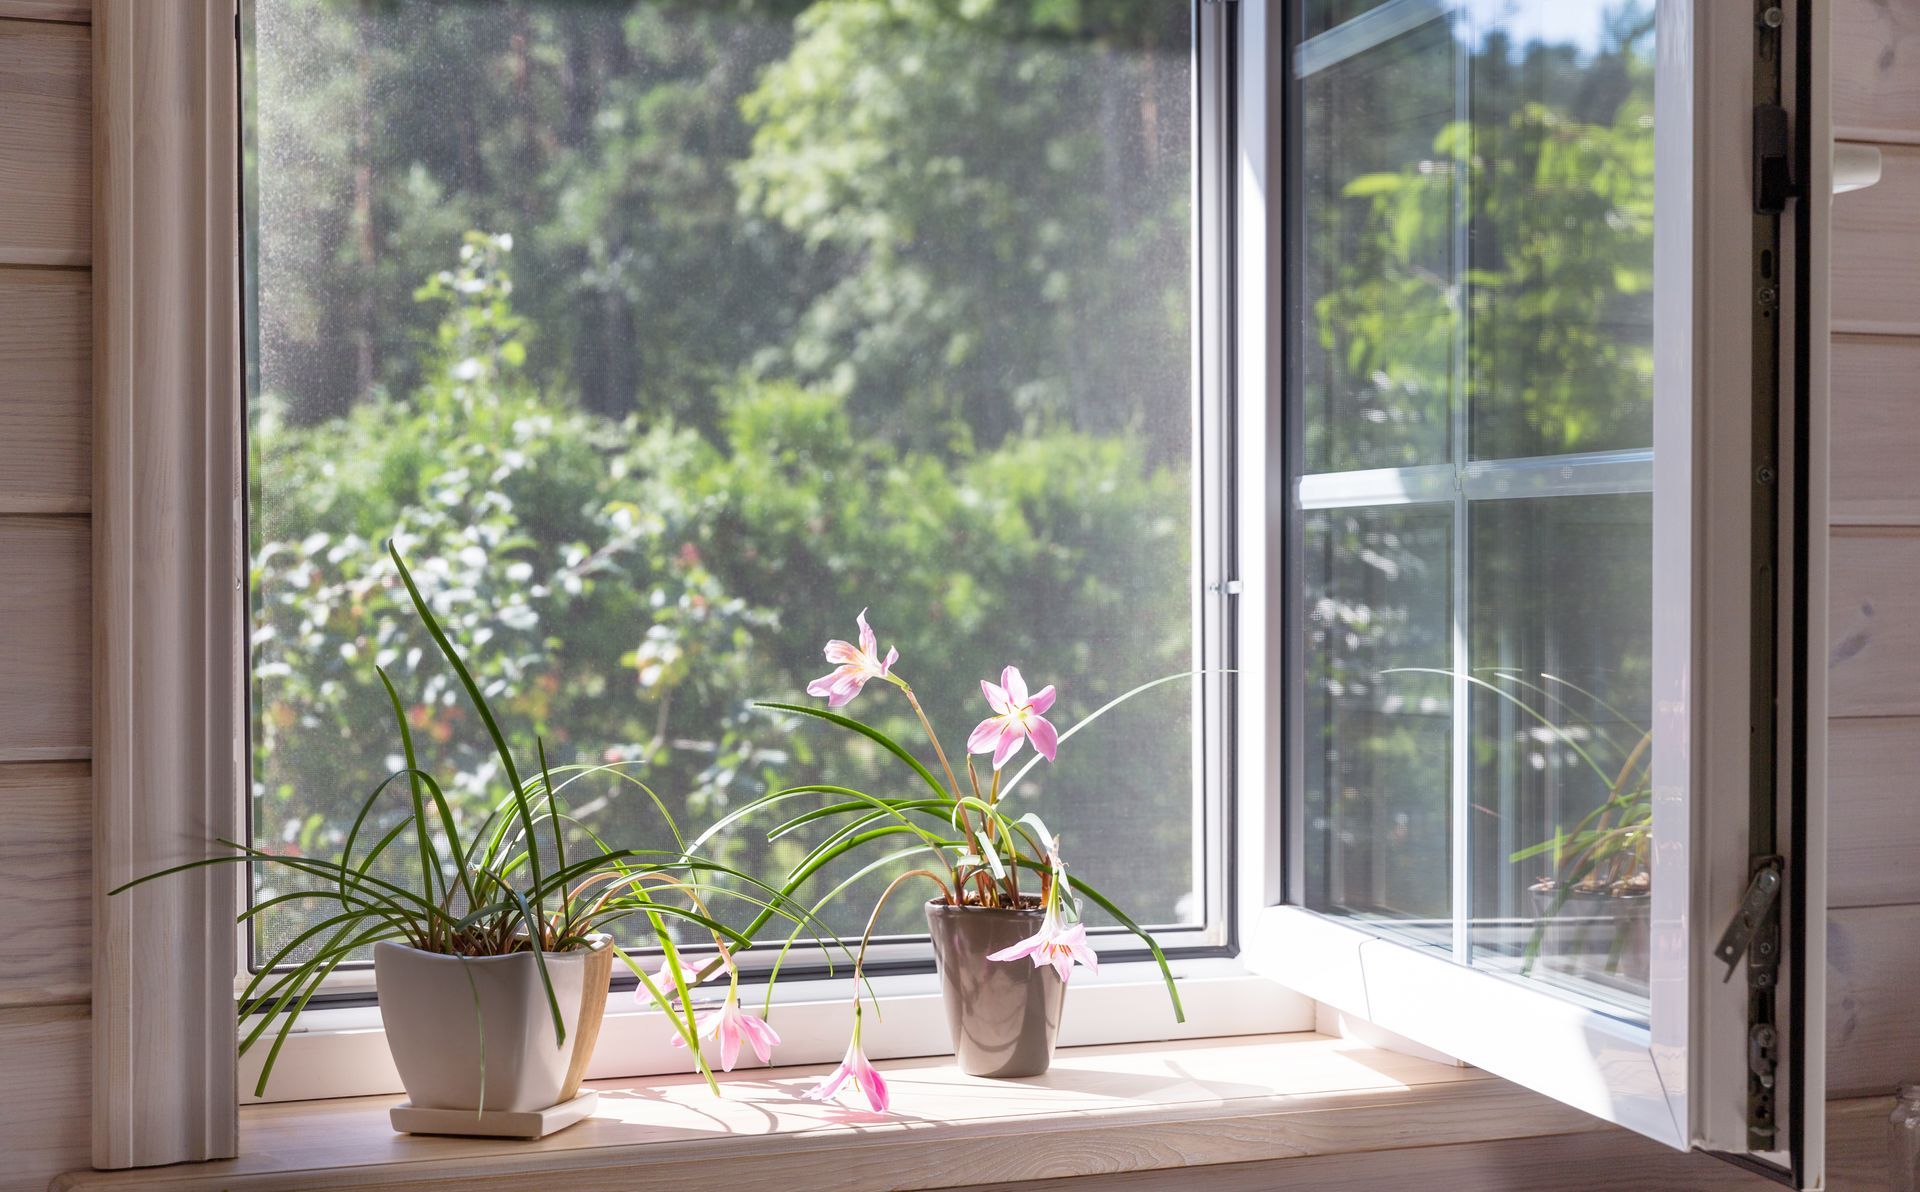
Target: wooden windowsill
1100,1111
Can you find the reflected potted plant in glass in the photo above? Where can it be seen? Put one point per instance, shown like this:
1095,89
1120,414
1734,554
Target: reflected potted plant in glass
1006,919
490,940
1591,908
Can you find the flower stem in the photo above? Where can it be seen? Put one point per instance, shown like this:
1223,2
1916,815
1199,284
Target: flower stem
861,958
952,782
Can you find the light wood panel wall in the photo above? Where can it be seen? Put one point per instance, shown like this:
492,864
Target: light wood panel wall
1876,243
46,216
46,202
1876,70
1873,938
46,340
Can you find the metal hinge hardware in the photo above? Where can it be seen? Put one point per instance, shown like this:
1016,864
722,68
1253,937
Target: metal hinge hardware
1751,921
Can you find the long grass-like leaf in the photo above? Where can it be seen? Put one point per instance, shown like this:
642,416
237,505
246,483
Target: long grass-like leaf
480,705
1159,957
870,733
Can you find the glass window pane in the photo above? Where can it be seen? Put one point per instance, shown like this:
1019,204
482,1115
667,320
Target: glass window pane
1560,725
1474,195
1560,228
1378,715
1376,255
666,337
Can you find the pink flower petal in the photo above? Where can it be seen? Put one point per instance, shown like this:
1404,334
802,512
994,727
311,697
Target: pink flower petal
1010,739
1040,730
985,735
841,652
996,697
729,1041
1016,686
874,1086
869,644
831,1085
1025,947
1062,962
893,656
761,1034
1042,700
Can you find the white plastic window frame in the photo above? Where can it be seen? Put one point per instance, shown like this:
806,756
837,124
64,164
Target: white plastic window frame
340,1050
1680,1078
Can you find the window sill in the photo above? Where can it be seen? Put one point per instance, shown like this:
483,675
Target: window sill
1100,1111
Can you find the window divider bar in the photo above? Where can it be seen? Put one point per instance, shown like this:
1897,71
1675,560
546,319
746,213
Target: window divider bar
1587,474
1370,29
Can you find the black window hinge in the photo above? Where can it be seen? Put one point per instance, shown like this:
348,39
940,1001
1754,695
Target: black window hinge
1772,159
1753,922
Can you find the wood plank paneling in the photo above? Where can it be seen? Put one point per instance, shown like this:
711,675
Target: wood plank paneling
44,1127
45,709
1873,812
46,348
46,172
1876,249
1876,75
1876,430
47,10
1873,999
1874,623
46,811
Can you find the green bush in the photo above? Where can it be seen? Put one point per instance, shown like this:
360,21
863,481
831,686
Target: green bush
627,589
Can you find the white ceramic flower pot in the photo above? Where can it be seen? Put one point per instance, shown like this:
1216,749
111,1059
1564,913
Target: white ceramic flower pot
457,1025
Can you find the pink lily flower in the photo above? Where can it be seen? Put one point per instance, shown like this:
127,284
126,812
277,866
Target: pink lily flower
663,980
731,1025
854,1067
1017,717
853,666
1054,945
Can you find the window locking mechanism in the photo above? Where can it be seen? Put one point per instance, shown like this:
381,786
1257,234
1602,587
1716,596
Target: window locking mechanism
1772,159
1753,922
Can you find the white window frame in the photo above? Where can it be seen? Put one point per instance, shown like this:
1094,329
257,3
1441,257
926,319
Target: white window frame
1680,1078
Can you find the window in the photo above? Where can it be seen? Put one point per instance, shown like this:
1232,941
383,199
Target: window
1473,359
665,337
1532,383
1421,369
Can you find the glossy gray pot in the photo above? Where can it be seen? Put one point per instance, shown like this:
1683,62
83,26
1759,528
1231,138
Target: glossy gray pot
1003,1015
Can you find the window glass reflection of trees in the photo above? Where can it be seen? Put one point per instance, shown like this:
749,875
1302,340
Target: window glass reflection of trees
1476,280
668,335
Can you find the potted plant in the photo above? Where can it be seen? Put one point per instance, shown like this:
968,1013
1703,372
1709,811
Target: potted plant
1006,921
507,918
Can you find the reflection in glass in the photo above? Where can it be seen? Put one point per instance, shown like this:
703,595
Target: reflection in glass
1472,191
667,336
1560,710
1377,257
1378,714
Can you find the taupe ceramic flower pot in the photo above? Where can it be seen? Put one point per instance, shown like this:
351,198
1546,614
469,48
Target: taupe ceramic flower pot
1003,1014
434,1007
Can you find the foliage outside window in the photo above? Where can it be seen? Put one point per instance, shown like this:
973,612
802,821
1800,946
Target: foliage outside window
659,335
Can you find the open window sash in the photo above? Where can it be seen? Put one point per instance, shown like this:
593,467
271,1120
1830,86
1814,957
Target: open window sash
1716,1061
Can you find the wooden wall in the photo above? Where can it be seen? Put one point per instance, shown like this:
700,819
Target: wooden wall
46,216
1873,940
45,485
